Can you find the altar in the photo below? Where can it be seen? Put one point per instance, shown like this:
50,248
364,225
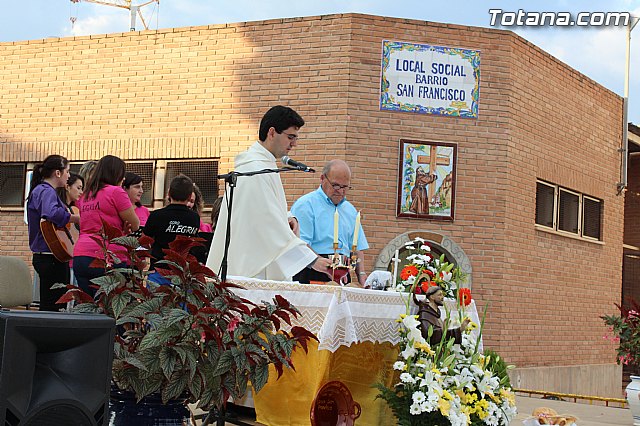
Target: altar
358,337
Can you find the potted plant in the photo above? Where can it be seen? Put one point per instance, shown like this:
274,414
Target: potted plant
193,340
624,330
443,383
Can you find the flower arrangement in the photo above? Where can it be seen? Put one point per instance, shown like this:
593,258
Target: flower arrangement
424,270
193,339
624,330
444,383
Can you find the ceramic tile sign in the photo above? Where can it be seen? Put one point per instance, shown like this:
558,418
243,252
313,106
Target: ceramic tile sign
429,79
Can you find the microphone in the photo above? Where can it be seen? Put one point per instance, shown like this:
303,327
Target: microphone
288,161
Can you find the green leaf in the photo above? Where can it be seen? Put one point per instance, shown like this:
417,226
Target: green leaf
195,386
126,241
127,320
229,383
86,308
225,362
260,376
108,283
240,358
182,353
158,337
151,305
135,362
448,360
154,320
168,361
177,315
149,386
175,387
271,308
192,355
151,359
119,302
241,383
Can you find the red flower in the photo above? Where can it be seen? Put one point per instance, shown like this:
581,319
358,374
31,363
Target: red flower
233,324
408,271
464,296
426,284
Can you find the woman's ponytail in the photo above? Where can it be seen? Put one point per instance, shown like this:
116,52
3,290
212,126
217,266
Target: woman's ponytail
44,170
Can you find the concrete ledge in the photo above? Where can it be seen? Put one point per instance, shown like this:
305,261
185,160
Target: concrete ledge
594,379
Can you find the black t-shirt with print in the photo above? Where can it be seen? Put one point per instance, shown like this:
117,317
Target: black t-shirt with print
164,224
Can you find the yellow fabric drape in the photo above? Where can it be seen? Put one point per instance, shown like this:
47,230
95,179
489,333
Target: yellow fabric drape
287,401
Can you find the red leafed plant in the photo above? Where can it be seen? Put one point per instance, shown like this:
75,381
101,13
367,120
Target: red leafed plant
624,330
194,337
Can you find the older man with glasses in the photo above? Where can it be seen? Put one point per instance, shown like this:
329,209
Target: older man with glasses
316,213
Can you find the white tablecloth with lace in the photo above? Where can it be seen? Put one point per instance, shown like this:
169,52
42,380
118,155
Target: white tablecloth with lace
341,316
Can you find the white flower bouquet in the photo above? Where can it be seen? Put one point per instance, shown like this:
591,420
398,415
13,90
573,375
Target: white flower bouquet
444,383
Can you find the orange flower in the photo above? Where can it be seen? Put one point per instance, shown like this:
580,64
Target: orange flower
408,271
464,296
426,284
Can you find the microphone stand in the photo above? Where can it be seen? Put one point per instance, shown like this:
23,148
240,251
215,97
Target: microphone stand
231,180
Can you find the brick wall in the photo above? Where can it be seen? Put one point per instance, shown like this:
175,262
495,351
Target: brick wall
201,91
632,203
567,131
631,269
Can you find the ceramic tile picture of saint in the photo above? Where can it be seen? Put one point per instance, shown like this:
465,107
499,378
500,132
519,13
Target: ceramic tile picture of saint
426,182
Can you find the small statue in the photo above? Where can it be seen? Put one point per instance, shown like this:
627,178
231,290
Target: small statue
429,315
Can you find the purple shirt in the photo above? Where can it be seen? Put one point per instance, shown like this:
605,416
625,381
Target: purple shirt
44,203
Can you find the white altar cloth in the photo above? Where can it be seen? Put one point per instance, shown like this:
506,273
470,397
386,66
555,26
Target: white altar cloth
342,316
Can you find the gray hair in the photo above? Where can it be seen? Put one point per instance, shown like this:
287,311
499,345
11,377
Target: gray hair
327,167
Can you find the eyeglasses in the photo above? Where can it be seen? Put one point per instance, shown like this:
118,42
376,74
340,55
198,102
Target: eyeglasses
291,137
336,186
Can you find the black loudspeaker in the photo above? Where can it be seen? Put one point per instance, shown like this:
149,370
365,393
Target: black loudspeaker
55,368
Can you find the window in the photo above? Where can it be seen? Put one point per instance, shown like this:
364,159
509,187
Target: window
202,173
568,211
12,182
144,169
545,214
591,217
75,167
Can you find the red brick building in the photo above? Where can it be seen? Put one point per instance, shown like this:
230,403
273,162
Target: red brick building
160,98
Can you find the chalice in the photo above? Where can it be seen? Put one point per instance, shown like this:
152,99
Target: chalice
341,265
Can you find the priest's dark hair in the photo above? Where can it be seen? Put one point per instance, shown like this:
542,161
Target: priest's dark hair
180,188
280,118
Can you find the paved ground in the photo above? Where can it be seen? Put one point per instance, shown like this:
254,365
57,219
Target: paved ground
588,415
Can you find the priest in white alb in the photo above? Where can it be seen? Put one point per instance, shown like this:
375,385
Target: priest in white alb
263,243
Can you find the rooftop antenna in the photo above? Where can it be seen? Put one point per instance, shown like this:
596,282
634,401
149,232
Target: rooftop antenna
134,9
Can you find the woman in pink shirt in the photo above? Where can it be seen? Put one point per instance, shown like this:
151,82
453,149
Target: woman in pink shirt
133,185
103,199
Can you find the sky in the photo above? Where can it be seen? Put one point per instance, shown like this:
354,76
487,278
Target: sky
597,52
